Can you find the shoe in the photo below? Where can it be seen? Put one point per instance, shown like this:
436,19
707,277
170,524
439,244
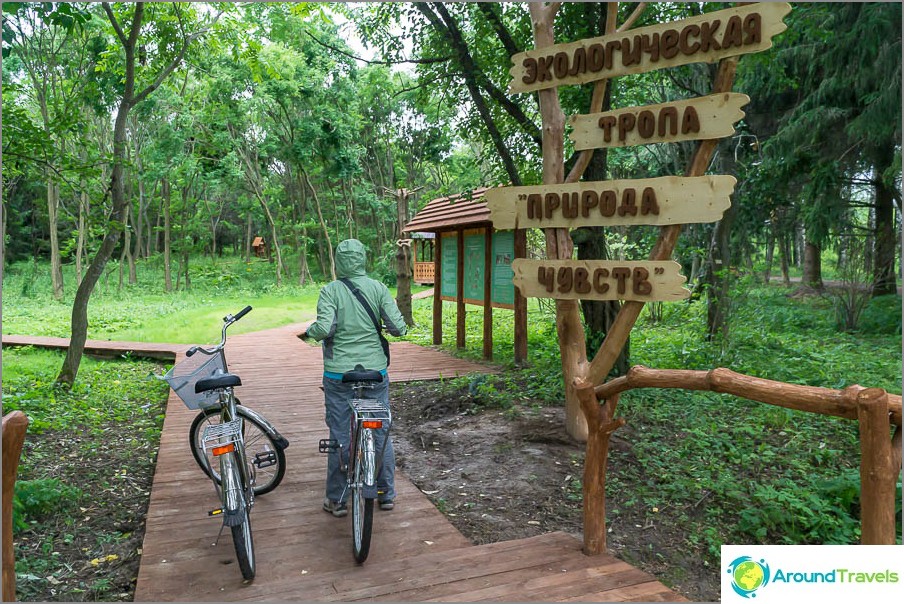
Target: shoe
387,504
336,508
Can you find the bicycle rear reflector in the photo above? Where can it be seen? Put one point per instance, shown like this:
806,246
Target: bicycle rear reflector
224,449
372,423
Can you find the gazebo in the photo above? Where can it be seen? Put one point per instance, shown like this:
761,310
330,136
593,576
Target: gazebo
471,264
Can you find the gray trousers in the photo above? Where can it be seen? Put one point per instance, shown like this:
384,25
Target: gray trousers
338,418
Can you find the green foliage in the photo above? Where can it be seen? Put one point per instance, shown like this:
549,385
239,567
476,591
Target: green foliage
882,316
35,500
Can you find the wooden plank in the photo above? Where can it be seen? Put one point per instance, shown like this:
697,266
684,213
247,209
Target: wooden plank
703,39
600,279
650,201
304,554
702,118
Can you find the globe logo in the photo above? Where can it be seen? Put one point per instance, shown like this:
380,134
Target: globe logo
748,575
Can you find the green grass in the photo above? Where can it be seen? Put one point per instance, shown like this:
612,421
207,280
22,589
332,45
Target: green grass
144,313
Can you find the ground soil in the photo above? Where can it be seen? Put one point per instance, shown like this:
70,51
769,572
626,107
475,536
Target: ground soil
501,474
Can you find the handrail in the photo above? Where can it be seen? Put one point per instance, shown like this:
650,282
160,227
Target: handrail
875,411
839,403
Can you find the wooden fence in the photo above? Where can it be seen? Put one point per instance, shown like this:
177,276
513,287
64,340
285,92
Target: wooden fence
875,410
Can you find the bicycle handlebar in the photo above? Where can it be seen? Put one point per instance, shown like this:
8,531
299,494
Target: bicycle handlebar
227,321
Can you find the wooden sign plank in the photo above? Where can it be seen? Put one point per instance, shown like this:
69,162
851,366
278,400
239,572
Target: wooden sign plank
702,118
651,201
703,39
644,281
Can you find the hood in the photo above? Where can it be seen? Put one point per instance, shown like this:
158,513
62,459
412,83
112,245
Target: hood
351,257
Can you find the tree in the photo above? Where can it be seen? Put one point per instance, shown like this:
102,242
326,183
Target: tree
174,39
837,78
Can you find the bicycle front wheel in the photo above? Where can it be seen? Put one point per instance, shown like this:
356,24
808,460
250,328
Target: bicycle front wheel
267,460
237,512
362,507
244,547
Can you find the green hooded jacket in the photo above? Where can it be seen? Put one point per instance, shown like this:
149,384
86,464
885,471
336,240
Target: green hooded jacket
348,334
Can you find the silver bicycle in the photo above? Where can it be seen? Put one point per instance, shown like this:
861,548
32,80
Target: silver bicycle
236,447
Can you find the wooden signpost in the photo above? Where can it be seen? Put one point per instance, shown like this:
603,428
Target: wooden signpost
702,118
666,202
645,281
651,201
707,38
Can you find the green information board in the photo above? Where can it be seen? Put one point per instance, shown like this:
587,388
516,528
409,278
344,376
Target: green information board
503,252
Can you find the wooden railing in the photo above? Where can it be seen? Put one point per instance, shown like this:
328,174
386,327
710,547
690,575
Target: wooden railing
14,425
875,410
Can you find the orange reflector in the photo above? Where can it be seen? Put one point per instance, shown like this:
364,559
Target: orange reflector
372,423
224,449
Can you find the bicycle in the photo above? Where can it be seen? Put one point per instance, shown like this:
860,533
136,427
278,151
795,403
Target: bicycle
362,463
236,447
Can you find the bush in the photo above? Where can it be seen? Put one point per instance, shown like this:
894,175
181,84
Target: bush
36,499
882,316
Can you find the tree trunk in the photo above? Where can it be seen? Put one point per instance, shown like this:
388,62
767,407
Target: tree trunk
718,276
884,278
248,229
56,262
79,323
166,202
770,255
812,266
403,259
591,245
125,258
325,230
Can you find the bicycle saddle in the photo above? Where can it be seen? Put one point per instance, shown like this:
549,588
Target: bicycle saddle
360,374
224,380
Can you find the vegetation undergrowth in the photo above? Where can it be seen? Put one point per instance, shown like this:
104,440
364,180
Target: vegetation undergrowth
85,473
725,469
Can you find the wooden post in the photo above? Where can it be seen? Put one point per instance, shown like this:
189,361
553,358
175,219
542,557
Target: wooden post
438,290
520,304
600,427
488,295
460,293
877,476
15,424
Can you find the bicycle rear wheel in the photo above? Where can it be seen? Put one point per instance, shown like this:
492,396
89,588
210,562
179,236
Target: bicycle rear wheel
362,507
268,460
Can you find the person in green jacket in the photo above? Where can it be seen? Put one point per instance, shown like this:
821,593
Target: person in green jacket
349,339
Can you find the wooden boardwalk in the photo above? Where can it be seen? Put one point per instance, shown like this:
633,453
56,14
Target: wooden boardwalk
305,554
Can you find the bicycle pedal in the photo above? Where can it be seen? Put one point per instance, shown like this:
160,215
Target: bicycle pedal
328,445
265,459
216,512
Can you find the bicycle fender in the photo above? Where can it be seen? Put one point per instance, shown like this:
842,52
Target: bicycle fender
278,439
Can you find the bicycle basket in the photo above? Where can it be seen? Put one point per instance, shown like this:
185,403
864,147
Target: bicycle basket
184,375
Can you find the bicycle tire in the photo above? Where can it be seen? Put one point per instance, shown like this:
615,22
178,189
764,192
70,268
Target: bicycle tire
362,507
242,539
257,441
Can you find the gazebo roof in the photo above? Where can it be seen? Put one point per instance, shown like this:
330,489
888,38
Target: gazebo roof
445,213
